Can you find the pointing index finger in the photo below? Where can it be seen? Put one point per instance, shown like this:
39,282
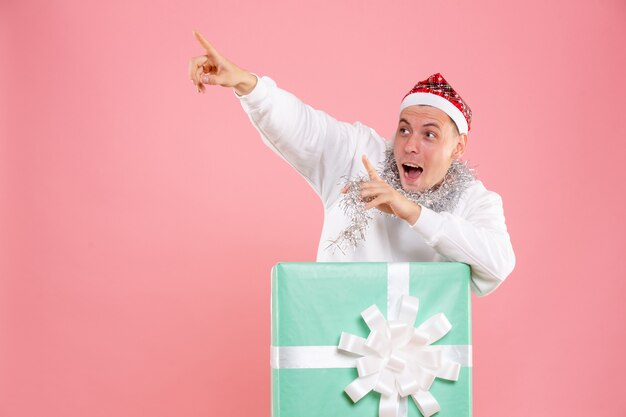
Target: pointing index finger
205,44
371,171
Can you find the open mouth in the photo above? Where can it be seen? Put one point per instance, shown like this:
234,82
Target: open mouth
411,172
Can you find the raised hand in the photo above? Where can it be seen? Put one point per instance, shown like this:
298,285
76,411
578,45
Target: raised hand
382,196
213,69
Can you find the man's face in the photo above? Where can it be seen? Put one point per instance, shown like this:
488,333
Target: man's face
426,143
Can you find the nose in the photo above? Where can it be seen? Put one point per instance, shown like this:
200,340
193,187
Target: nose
412,145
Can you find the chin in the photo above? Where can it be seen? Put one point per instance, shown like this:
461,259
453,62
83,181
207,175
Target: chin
412,188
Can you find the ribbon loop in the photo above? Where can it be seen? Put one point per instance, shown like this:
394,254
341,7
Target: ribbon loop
368,365
388,406
407,383
378,342
396,363
361,386
353,344
386,383
424,378
419,339
374,318
435,327
426,403
449,370
401,333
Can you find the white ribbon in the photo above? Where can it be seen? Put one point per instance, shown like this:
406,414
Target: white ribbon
397,360
325,357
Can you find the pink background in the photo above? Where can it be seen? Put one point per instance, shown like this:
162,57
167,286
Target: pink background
139,219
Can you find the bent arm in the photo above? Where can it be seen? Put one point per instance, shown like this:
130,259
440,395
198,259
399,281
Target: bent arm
319,147
480,239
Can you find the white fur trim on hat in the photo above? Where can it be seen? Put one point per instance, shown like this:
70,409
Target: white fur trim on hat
439,102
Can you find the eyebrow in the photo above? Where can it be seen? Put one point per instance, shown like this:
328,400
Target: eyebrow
424,125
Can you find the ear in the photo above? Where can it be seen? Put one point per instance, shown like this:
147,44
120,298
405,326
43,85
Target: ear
459,148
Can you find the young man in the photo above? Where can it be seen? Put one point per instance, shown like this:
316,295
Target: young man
435,209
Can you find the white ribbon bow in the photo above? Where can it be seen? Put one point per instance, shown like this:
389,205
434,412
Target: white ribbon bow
397,359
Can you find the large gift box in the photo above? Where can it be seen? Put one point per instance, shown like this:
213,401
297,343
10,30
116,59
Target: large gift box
371,339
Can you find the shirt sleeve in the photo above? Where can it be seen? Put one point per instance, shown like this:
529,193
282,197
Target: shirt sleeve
479,239
319,147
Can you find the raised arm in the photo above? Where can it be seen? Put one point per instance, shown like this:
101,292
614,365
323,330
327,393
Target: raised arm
318,146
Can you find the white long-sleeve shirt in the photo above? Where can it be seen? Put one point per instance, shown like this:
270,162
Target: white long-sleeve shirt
324,150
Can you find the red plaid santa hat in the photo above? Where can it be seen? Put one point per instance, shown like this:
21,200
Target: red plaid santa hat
435,91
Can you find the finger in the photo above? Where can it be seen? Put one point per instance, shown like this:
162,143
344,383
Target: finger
371,192
199,73
378,201
377,186
194,63
200,88
202,60
371,171
380,204
205,44
365,185
345,189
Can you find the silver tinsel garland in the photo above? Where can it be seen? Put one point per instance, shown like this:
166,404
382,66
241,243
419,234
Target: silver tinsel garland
442,197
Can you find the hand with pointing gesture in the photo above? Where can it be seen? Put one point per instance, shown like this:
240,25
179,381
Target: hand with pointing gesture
213,69
378,194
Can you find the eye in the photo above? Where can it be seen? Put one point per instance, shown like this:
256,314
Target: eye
403,130
431,135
